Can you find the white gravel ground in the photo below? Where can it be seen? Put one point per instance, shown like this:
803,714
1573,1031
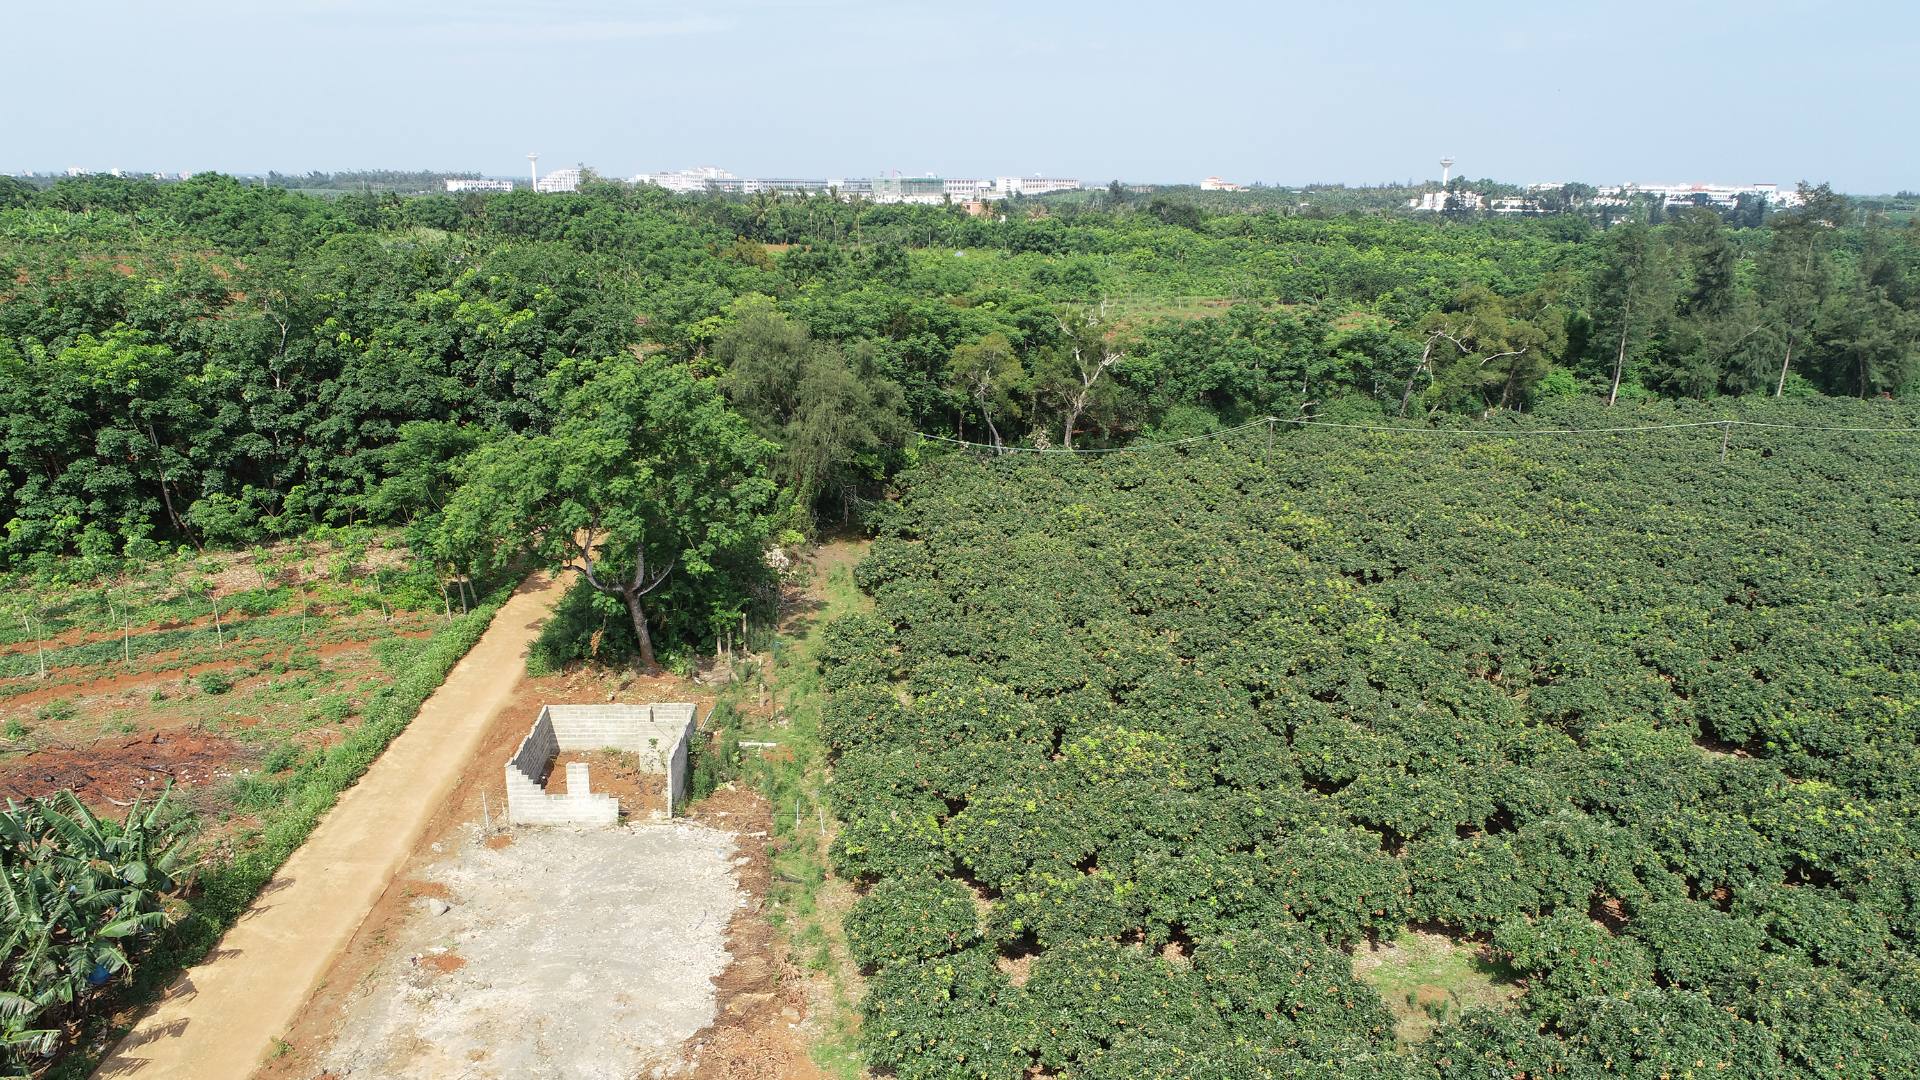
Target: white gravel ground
588,955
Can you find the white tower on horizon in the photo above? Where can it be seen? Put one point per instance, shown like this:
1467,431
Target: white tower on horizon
533,168
1446,170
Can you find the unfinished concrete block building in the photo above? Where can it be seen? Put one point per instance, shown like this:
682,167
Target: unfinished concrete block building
658,735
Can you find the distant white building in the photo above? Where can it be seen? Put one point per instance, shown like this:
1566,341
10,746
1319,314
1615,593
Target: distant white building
456,185
928,189
1434,202
685,181
925,190
1720,196
708,179
783,185
558,181
1009,186
962,190
1214,183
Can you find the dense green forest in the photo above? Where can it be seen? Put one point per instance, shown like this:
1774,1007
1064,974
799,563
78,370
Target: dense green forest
1135,749
210,363
1180,727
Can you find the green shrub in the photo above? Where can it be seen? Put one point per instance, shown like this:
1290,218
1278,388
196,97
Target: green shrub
1655,1032
913,918
258,603
947,1018
714,753
336,708
585,624
1484,1043
858,713
255,791
1638,713
397,653
856,648
1566,957
282,757
214,682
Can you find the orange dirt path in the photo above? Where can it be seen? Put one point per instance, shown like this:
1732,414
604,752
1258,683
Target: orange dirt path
219,1019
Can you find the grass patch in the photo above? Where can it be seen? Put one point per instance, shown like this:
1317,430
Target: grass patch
1427,979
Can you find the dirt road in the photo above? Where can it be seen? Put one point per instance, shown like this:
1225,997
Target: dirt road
220,1019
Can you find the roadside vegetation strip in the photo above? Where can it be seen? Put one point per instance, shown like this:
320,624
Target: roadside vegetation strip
223,891
785,760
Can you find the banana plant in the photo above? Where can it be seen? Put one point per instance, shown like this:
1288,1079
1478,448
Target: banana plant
21,1044
78,894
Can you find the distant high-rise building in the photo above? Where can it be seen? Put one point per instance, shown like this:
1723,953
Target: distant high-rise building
558,181
456,185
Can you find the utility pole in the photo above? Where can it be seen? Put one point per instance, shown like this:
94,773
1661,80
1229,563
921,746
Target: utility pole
1726,431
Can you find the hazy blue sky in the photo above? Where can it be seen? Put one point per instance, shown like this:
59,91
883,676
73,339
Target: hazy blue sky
1173,90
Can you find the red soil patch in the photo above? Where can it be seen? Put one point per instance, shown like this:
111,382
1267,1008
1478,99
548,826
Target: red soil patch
117,771
615,774
761,1001
417,887
108,684
441,963
498,841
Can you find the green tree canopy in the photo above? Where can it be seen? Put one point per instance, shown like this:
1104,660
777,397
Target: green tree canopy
648,479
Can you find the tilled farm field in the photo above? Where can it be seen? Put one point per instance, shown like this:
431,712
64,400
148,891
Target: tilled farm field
214,676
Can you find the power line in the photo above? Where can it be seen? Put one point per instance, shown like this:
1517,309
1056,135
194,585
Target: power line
1139,448
1474,433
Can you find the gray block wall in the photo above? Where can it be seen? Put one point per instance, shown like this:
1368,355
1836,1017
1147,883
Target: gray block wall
656,734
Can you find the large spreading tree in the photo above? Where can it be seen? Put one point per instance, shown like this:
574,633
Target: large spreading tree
649,481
